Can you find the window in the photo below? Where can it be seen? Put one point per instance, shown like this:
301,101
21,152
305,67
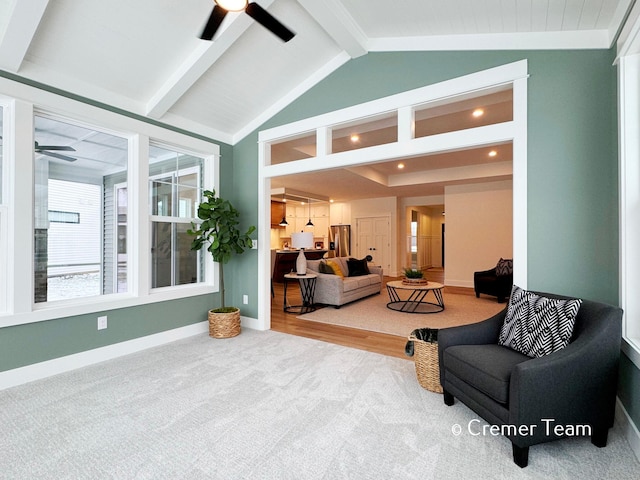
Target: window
56,216
75,170
3,220
175,187
1,153
629,177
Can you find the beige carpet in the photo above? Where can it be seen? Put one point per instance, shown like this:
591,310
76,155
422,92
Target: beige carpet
372,314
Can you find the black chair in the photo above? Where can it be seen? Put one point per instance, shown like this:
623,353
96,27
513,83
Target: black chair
575,386
490,283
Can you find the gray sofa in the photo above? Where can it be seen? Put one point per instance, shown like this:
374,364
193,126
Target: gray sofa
335,290
574,386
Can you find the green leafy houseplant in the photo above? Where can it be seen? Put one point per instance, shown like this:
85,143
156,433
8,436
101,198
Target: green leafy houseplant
219,234
413,273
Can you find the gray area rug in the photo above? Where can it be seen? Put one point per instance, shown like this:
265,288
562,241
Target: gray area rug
372,314
265,405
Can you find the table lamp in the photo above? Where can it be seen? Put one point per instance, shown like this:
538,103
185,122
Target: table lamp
301,240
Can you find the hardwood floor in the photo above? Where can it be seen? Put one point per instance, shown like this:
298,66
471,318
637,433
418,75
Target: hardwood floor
350,337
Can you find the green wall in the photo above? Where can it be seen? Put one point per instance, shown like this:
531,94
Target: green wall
572,176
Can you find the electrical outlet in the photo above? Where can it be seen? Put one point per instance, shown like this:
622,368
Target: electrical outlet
245,299
102,322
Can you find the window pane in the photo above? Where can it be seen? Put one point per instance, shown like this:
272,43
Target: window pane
175,182
78,219
364,133
467,111
161,254
294,148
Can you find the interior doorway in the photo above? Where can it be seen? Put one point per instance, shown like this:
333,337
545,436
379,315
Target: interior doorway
309,143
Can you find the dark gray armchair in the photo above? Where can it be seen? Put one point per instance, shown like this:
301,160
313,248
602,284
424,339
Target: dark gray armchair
575,386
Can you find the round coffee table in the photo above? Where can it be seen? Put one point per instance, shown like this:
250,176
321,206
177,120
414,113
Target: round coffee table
415,303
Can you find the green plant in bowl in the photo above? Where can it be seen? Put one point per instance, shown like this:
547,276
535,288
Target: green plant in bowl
413,273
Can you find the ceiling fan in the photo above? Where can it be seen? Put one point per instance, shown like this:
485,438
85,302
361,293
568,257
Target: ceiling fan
255,11
49,151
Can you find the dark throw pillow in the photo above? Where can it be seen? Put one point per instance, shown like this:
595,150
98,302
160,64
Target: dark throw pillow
504,267
357,268
324,268
537,325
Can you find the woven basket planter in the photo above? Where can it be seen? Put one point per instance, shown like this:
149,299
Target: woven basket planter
427,366
224,325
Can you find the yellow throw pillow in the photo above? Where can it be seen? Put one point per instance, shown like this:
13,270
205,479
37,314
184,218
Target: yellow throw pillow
336,268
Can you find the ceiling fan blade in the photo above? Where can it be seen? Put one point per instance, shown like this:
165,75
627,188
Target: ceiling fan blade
57,155
61,148
265,19
210,29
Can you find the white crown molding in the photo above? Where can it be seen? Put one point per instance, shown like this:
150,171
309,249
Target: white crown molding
575,40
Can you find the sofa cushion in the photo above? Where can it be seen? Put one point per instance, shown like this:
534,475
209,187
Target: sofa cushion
357,268
536,325
351,283
486,368
314,265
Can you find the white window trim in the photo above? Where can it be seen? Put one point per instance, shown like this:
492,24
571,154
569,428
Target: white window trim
22,102
515,73
629,181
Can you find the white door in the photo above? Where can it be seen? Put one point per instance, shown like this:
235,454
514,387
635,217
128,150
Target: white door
372,235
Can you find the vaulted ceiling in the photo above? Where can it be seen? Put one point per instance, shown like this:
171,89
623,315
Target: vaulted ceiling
144,56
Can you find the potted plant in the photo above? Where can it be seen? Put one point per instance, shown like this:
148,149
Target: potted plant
218,234
414,276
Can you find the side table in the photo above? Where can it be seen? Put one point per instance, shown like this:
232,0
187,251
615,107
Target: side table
307,289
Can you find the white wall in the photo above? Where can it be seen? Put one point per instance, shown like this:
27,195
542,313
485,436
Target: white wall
479,229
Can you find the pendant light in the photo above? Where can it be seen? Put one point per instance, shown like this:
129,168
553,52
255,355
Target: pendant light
283,222
309,223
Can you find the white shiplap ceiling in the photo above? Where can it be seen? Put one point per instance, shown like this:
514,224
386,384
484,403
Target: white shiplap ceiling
145,56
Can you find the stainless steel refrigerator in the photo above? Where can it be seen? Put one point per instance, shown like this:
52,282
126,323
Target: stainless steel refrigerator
340,240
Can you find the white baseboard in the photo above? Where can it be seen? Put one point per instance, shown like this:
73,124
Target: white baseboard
629,429
458,283
252,323
29,373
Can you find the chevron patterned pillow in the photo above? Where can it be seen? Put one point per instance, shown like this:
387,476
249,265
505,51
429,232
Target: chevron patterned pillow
537,325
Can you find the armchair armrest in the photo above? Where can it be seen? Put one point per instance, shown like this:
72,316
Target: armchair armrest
484,273
573,386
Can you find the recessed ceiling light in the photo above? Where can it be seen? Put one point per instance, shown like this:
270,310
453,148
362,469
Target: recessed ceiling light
401,166
355,138
493,153
478,112
331,200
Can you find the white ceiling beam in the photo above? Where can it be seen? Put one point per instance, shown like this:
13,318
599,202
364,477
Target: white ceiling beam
339,24
21,28
201,59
